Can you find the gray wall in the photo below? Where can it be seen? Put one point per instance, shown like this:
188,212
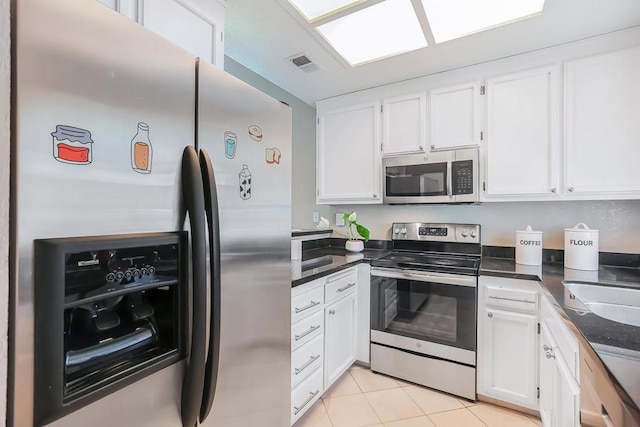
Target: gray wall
5,64
304,145
618,221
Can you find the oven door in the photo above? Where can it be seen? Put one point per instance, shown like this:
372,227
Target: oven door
428,313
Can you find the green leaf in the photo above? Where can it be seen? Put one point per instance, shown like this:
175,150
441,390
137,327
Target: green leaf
346,216
363,231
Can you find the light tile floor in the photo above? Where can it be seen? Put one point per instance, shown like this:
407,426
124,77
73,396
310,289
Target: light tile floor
362,398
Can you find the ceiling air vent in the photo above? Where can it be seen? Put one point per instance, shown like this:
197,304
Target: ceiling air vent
304,62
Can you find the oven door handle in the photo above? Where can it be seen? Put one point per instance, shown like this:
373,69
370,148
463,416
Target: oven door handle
450,279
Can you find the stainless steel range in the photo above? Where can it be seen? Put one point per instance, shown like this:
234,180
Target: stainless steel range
423,306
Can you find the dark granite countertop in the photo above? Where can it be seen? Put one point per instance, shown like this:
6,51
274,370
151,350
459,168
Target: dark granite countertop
617,344
322,261
304,232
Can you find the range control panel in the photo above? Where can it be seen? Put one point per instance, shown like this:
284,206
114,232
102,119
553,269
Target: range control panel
420,231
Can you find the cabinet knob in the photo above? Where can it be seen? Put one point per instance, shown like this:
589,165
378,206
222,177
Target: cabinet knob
490,314
546,348
332,312
375,195
433,146
421,147
550,355
554,190
571,189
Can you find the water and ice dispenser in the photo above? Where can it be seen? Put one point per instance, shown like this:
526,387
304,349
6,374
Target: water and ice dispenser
109,310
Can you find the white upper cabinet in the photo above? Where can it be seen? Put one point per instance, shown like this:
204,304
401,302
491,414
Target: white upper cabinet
404,124
454,116
522,146
193,29
348,154
602,130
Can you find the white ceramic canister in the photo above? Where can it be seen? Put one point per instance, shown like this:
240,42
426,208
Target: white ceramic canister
581,248
529,247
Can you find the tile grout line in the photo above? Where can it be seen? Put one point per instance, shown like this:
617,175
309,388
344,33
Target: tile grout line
473,413
326,410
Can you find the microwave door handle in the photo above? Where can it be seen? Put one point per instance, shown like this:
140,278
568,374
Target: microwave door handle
449,180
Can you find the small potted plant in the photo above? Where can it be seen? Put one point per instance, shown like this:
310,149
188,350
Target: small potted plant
355,232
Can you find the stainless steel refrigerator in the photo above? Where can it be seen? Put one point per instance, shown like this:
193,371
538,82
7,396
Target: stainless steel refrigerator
104,113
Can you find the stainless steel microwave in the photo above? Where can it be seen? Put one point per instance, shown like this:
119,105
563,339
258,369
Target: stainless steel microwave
441,177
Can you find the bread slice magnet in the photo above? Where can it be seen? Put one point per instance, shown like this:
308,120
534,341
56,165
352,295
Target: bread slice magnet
255,133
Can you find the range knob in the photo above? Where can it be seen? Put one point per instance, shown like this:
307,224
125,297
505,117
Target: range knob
404,231
396,230
474,234
465,233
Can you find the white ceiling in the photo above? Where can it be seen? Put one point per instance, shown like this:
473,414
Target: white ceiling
261,34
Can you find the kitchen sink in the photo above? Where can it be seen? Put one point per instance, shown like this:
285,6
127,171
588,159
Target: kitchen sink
621,305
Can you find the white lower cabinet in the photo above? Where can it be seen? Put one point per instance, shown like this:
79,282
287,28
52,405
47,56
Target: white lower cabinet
559,389
323,336
507,340
340,337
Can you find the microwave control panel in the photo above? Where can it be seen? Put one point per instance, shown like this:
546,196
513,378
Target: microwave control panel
463,177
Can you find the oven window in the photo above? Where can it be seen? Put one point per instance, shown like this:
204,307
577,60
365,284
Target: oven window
444,314
416,180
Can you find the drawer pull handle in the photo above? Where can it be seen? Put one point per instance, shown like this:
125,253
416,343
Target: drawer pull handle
307,363
344,288
312,394
307,307
307,332
550,355
512,299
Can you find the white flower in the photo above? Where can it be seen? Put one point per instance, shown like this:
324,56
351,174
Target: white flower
352,217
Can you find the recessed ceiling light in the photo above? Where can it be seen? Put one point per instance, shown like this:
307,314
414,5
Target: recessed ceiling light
384,29
451,19
312,9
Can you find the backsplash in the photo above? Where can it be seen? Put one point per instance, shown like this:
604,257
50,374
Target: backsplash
618,221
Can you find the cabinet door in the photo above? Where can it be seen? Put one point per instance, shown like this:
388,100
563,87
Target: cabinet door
566,396
340,338
191,29
506,375
602,131
349,155
522,147
405,121
454,116
547,371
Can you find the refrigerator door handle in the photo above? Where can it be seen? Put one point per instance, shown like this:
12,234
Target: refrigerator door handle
193,199
213,358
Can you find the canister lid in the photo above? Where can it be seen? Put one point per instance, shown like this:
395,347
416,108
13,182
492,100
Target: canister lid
581,227
529,230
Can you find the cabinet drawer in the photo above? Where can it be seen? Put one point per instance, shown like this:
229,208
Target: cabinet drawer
340,285
307,303
305,395
519,299
307,329
305,360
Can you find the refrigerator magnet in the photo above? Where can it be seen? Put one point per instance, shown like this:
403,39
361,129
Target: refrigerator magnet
245,183
141,153
272,156
72,145
255,133
230,144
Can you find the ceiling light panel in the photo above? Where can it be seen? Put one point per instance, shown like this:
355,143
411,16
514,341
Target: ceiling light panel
451,19
312,9
379,31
